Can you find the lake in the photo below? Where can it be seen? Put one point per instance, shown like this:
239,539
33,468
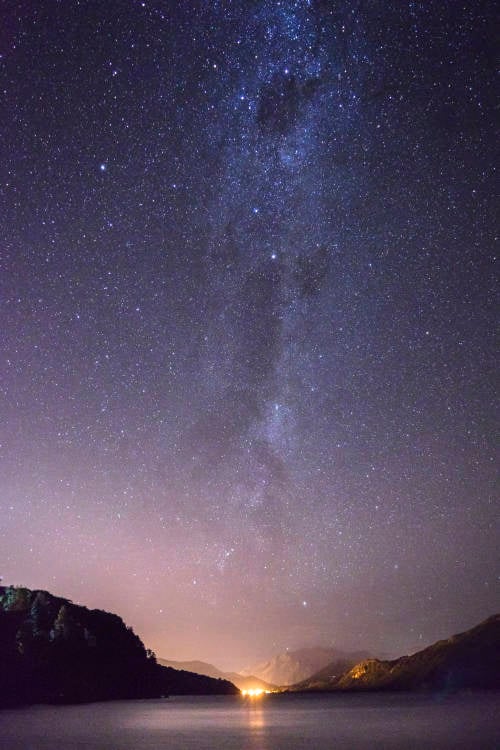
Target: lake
273,722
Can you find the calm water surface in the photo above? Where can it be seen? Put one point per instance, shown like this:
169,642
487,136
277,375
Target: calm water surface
277,722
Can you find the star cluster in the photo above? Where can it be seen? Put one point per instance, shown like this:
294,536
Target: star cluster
247,303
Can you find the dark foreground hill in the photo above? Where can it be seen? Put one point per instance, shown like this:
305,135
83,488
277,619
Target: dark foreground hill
469,660
54,651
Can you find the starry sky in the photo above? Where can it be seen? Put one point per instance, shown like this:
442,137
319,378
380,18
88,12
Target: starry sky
247,317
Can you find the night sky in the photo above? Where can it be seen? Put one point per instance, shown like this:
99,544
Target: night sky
247,317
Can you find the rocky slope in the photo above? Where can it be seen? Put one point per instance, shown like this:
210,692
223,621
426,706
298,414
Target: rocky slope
52,650
326,677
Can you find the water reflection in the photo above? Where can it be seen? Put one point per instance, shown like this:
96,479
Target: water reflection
285,722
256,722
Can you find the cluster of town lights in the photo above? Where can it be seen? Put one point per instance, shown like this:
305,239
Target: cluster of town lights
254,692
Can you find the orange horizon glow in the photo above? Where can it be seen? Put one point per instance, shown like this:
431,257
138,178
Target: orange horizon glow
254,692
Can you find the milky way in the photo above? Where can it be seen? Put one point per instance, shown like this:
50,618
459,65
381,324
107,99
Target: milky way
247,316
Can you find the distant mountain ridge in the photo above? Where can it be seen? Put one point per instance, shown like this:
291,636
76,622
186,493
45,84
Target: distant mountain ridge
292,667
54,651
243,682
469,660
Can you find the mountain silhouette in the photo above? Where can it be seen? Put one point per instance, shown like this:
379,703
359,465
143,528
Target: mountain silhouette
469,660
54,651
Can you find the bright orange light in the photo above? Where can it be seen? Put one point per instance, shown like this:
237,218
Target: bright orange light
254,692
